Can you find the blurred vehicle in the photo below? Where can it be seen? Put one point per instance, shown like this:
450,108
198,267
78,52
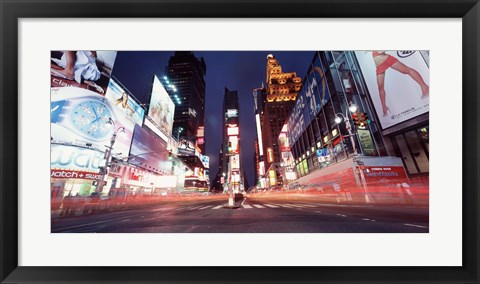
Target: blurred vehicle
195,184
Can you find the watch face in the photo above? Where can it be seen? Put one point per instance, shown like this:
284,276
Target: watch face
89,117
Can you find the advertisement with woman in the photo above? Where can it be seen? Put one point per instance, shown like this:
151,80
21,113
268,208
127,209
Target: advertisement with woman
87,69
398,82
161,108
132,110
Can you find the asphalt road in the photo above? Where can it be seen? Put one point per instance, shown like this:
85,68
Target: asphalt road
255,214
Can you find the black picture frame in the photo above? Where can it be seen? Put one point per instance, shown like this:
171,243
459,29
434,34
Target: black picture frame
12,11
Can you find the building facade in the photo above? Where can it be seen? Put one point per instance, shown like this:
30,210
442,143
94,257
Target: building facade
187,73
230,153
276,104
330,146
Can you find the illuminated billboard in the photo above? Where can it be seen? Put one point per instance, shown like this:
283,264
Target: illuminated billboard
283,140
78,117
75,162
235,162
149,151
186,147
201,131
90,70
132,110
205,161
232,113
233,144
232,131
398,82
259,134
161,108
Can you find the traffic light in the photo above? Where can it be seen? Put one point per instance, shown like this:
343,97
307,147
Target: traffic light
229,146
367,119
362,120
356,118
170,155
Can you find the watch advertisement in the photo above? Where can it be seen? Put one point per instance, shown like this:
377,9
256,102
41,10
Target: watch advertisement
131,109
398,82
161,108
74,162
79,117
86,69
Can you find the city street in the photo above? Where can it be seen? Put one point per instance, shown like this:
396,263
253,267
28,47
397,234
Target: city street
253,214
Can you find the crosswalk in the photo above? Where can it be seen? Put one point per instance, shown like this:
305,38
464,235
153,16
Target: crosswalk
252,206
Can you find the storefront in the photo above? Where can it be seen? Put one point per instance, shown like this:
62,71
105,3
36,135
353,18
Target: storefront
413,147
73,170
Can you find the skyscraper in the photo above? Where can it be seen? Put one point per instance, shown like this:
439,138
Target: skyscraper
230,159
281,91
187,74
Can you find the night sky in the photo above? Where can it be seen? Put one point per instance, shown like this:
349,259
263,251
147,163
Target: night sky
240,71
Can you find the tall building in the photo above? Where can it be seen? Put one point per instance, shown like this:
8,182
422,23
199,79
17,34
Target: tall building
281,91
230,159
187,74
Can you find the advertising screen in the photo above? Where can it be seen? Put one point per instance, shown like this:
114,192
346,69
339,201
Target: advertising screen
79,116
74,162
233,144
232,113
186,147
366,141
205,161
232,131
398,82
161,108
283,140
322,87
91,69
313,94
149,150
131,109
235,162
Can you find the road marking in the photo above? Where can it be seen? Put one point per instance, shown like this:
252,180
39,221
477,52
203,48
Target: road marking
205,207
284,205
336,205
193,208
412,225
271,205
308,205
243,201
64,229
365,219
294,205
125,220
318,211
247,206
342,215
258,206
219,206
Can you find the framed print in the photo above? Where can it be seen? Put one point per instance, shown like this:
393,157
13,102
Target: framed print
239,142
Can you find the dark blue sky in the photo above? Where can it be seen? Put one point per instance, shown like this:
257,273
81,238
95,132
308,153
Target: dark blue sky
240,71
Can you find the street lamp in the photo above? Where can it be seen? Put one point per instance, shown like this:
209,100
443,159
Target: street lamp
108,153
338,119
180,129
